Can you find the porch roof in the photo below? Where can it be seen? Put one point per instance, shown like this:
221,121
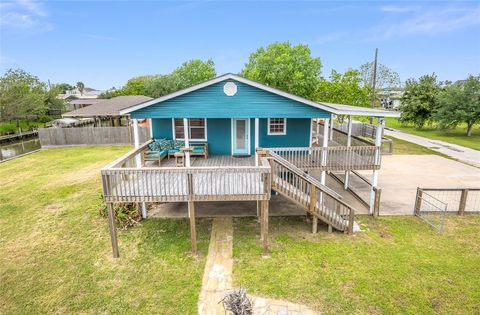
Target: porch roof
337,109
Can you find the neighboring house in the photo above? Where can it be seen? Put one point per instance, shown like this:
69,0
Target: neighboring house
75,99
238,118
108,110
390,99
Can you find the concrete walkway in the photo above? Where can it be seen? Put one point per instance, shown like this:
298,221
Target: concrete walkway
217,278
460,153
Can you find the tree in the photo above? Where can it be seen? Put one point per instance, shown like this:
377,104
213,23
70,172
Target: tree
343,89
386,78
419,100
21,95
160,85
63,87
285,67
460,103
193,72
81,87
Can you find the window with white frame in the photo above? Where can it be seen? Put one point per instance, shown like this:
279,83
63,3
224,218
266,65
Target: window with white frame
277,126
197,129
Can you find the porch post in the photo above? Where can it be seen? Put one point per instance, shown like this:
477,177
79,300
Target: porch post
349,144
187,141
113,230
323,173
193,232
378,144
264,225
331,129
138,158
257,141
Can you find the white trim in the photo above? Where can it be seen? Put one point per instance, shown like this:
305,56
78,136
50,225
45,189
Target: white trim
338,109
310,142
277,133
175,138
247,128
151,128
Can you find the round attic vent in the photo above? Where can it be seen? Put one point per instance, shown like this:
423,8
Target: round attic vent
230,89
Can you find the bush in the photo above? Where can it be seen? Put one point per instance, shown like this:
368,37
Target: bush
126,214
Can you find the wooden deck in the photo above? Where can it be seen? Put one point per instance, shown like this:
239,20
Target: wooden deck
211,161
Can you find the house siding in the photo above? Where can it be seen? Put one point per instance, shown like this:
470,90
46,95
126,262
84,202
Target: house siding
219,134
248,102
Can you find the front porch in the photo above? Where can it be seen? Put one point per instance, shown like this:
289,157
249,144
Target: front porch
211,161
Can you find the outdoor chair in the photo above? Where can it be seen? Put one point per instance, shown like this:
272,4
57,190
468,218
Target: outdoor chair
199,149
155,151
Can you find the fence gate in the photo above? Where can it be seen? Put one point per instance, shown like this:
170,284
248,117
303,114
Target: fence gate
430,209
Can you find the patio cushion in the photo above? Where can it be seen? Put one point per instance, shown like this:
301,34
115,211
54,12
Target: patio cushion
164,144
198,150
172,151
177,144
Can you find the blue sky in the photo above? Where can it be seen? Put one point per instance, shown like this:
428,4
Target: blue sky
104,43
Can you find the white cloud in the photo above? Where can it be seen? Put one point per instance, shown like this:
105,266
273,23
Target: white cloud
25,14
428,21
398,8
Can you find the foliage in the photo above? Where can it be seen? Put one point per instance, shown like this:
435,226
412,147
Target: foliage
419,100
386,78
63,87
343,89
236,302
283,66
160,85
55,249
126,214
193,72
460,103
22,95
396,265
80,87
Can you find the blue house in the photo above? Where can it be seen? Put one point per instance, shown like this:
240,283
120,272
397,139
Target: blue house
234,115
230,116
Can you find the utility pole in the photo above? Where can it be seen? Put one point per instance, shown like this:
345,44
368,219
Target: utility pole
374,81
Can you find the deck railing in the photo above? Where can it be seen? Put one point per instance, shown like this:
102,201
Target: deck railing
123,182
317,199
332,158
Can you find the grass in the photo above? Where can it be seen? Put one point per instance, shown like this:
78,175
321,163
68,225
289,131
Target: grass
55,247
7,127
456,136
397,265
404,147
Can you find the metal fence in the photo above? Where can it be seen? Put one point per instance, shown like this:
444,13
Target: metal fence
432,204
53,137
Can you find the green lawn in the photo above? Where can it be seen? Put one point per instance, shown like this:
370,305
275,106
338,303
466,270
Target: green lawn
397,265
404,147
55,248
7,127
456,136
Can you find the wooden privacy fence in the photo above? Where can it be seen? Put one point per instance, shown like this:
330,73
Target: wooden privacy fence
52,137
332,158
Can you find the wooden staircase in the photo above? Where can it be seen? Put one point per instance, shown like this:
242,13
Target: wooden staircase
317,199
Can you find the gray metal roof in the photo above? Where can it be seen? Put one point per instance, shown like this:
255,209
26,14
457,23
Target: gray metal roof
337,109
110,107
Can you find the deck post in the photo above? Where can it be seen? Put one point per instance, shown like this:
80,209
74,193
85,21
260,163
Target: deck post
349,144
187,141
257,141
313,201
113,230
138,159
193,232
323,173
264,226
378,143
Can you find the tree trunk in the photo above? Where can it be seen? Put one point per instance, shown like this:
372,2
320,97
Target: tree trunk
469,129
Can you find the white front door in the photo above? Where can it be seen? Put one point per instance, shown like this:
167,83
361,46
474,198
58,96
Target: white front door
240,136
